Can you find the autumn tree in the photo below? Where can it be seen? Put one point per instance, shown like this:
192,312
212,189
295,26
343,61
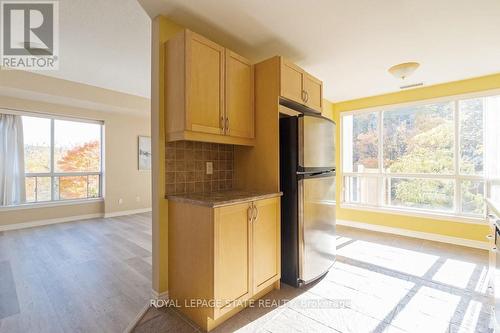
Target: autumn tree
365,151
83,158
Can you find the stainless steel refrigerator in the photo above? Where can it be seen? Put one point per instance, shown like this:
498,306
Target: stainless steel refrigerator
307,180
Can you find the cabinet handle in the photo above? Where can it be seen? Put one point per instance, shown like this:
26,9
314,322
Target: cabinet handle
250,212
222,123
256,215
302,95
307,96
489,237
227,124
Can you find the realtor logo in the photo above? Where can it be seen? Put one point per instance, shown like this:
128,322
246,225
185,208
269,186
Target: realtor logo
30,35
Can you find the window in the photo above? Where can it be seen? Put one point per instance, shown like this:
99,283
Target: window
438,157
62,159
361,138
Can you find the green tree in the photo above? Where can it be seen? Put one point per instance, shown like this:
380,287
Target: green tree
423,142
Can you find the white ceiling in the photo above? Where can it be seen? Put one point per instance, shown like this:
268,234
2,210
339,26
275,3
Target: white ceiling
105,43
350,44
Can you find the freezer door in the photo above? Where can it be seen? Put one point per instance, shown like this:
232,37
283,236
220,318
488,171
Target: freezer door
317,243
316,143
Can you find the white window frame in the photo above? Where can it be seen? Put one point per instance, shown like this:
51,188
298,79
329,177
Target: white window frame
54,175
382,176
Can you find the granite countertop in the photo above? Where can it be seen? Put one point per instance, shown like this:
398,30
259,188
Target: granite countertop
222,198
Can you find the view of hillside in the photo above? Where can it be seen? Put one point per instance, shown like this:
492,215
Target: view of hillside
420,140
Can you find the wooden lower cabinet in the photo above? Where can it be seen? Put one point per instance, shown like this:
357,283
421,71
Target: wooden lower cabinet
231,255
266,247
220,258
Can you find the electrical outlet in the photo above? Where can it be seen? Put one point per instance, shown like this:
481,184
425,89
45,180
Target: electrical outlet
120,201
210,168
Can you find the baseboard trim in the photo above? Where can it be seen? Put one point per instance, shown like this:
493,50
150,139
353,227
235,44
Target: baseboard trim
127,212
138,317
31,224
38,223
157,295
416,234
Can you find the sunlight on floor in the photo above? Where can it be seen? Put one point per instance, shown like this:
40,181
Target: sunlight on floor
428,310
406,261
395,285
411,291
482,281
389,289
455,272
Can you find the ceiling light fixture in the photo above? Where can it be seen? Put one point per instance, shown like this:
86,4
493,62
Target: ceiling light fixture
402,71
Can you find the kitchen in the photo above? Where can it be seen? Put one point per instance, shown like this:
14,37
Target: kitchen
256,170
233,234
251,166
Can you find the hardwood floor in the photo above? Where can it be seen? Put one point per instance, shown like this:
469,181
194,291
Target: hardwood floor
380,283
95,276
85,276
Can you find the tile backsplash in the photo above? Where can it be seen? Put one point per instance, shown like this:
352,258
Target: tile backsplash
186,167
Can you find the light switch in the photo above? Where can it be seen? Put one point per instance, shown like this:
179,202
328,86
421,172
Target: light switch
210,168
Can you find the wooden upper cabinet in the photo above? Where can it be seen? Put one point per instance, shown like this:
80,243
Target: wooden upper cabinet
266,243
291,81
202,80
300,87
313,91
239,106
205,84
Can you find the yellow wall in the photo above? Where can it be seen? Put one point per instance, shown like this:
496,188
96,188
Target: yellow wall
122,127
442,227
328,109
163,30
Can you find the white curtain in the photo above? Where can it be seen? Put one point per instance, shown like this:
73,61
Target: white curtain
12,183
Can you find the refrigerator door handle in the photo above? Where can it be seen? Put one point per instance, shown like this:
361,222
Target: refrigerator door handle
301,240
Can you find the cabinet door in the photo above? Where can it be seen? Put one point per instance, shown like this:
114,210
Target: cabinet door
239,96
231,257
313,92
291,82
266,243
204,84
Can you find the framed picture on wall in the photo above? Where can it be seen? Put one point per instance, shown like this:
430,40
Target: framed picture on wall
144,153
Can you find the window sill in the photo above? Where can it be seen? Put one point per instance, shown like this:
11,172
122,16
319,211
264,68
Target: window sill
416,213
51,204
